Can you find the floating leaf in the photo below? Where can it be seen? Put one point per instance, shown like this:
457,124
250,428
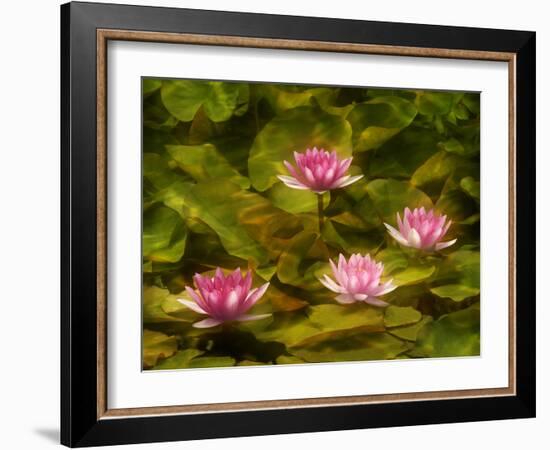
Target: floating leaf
164,235
455,203
396,316
462,268
289,359
204,162
360,347
150,85
344,317
379,119
456,292
471,187
455,334
432,102
431,175
158,307
289,329
180,360
288,267
410,332
157,346
281,301
393,259
203,362
293,200
413,274
282,98
453,146
471,101
401,155
183,98
392,196
244,221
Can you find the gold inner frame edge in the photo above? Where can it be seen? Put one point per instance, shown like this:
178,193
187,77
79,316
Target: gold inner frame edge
103,36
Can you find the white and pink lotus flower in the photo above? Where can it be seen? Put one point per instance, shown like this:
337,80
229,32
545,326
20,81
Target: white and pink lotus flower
358,280
421,229
318,171
224,298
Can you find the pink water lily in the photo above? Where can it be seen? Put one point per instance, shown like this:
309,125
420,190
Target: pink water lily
318,171
224,298
358,280
421,229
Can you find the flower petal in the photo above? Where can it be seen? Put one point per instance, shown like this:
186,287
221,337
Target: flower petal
292,182
345,298
291,169
207,323
376,302
385,288
192,305
396,235
330,284
198,299
414,239
254,295
442,245
346,181
248,317
231,304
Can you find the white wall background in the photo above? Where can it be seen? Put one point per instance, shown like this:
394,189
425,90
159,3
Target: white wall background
29,223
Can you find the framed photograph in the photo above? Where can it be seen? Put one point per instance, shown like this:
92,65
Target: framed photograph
276,224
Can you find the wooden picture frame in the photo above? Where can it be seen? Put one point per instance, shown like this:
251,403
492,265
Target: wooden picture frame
86,418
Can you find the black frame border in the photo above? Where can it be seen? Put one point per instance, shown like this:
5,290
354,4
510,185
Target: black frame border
79,423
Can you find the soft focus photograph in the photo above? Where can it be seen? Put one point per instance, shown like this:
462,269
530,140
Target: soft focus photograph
298,224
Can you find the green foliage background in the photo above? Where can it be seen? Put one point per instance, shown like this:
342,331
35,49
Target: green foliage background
211,153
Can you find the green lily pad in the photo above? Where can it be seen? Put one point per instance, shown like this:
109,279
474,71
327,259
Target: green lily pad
455,203
413,274
456,292
180,360
204,162
453,145
379,119
360,347
157,346
344,317
203,362
439,103
454,334
392,196
289,329
150,85
461,267
289,359
288,267
393,259
471,187
396,316
293,200
401,155
245,222
410,332
164,235
219,99
155,310
431,175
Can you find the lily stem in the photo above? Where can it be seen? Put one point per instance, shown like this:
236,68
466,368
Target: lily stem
320,211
